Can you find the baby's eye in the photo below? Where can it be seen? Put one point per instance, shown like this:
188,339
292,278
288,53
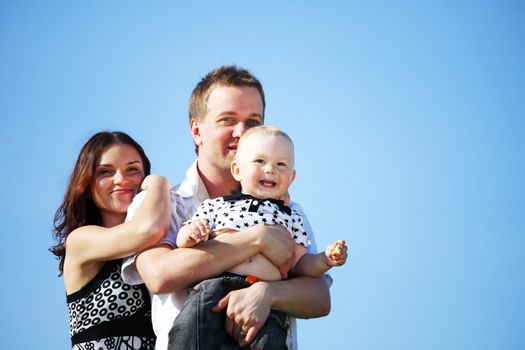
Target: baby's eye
259,161
281,164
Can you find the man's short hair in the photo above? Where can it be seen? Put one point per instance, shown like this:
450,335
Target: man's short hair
223,76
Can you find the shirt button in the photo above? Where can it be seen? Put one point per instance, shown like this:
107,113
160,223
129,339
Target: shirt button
255,202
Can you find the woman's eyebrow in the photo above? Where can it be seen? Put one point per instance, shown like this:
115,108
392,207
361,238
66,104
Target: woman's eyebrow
128,163
133,162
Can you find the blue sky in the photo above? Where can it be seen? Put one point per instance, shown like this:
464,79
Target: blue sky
408,119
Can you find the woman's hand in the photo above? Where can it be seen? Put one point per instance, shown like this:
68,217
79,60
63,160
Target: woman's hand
154,180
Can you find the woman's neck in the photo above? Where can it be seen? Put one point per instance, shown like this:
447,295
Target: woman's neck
112,219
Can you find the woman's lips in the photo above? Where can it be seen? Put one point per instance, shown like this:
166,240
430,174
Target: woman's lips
120,192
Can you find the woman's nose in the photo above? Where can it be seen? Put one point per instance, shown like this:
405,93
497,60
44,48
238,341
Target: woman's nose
119,177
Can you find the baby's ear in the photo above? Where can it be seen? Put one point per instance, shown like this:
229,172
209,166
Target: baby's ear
234,168
293,176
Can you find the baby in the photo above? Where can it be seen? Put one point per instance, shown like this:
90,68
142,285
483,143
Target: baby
264,166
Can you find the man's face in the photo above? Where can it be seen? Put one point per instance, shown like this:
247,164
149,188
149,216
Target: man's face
231,111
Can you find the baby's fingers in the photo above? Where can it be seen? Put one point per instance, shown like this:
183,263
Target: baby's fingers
338,248
340,260
202,229
338,253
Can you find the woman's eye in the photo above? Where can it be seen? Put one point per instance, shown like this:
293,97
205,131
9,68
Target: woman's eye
134,171
103,172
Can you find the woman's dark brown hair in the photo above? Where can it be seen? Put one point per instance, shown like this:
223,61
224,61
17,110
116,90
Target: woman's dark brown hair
78,208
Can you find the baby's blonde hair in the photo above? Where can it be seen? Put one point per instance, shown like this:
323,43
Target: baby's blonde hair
265,130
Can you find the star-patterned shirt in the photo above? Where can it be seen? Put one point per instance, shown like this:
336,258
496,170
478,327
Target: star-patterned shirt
240,211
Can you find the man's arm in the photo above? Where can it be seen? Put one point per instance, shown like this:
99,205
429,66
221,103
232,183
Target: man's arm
301,297
165,270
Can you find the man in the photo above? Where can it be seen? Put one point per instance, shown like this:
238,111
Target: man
223,106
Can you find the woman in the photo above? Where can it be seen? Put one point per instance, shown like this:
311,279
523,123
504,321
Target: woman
105,312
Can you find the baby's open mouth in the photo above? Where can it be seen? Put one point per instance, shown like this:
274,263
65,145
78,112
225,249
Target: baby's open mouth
267,183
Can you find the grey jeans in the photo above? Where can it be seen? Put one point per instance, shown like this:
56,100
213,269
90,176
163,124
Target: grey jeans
199,328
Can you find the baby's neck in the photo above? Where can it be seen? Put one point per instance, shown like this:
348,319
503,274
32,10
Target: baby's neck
253,195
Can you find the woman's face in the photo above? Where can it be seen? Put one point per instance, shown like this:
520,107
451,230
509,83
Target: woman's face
118,176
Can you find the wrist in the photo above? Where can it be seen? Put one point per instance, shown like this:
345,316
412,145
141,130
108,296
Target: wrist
267,292
326,262
259,239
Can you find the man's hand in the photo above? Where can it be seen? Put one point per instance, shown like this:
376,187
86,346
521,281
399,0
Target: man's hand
247,311
279,248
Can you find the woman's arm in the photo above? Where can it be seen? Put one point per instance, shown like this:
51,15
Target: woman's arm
95,243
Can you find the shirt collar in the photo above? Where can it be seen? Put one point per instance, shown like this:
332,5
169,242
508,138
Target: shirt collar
238,195
192,185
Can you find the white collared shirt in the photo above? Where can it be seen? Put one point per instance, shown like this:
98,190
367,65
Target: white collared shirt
186,197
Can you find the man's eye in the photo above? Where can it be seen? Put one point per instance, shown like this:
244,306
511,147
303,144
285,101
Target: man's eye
253,122
227,120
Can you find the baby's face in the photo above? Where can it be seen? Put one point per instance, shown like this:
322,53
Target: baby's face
264,166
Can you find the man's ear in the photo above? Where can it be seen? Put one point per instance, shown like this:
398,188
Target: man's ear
195,132
234,167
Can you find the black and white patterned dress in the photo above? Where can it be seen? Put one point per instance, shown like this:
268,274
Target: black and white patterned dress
240,211
110,314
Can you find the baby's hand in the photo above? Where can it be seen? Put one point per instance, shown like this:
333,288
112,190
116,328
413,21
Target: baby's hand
199,230
336,253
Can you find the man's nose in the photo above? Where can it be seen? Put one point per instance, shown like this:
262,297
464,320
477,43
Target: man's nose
239,129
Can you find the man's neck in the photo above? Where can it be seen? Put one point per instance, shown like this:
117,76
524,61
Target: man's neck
218,182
